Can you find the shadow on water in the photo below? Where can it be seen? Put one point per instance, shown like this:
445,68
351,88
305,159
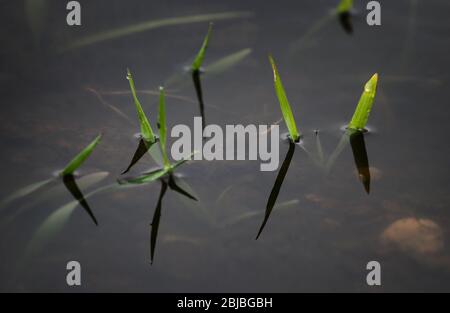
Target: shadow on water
72,187
171,183
198,89
361,160
141,150
345,19
277,186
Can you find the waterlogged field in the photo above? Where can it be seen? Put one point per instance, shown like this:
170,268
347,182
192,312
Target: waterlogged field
88,172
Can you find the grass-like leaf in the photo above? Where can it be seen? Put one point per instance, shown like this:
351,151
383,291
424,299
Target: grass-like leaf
25,191
201,53
146,129
284,103
163,127
81,157
361,115
55,222
344,6
149,177
148,25
227,62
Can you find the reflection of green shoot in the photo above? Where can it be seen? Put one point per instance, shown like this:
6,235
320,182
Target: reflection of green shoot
284,104
198,61
80,158
361,115
146,129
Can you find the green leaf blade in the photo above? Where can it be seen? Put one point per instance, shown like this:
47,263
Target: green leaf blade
284,103
81,157
163,127
146,130
344,6
198,61
364,107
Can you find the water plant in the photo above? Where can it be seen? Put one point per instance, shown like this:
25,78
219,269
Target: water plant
196,70
284,103
198,61
68,179
167,167
345,6
146,130
362,112
163,128
79,159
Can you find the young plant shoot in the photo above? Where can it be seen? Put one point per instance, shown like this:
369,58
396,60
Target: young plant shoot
284,104
198,61
146,129
163,128
345,6
362,112
80,158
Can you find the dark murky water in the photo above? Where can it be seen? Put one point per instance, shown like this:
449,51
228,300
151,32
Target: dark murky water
324,227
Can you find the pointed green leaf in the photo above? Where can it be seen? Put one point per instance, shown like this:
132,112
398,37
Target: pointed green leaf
344,6
163,127
284,103
156,174
201,54
145,178
365,103
81,157
146,129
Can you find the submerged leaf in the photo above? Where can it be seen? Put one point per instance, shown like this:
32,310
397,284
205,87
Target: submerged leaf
361,115
201,54
25,191
136,28
55,222
146,129
227,62
284,103
81,157
36,12
163,127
